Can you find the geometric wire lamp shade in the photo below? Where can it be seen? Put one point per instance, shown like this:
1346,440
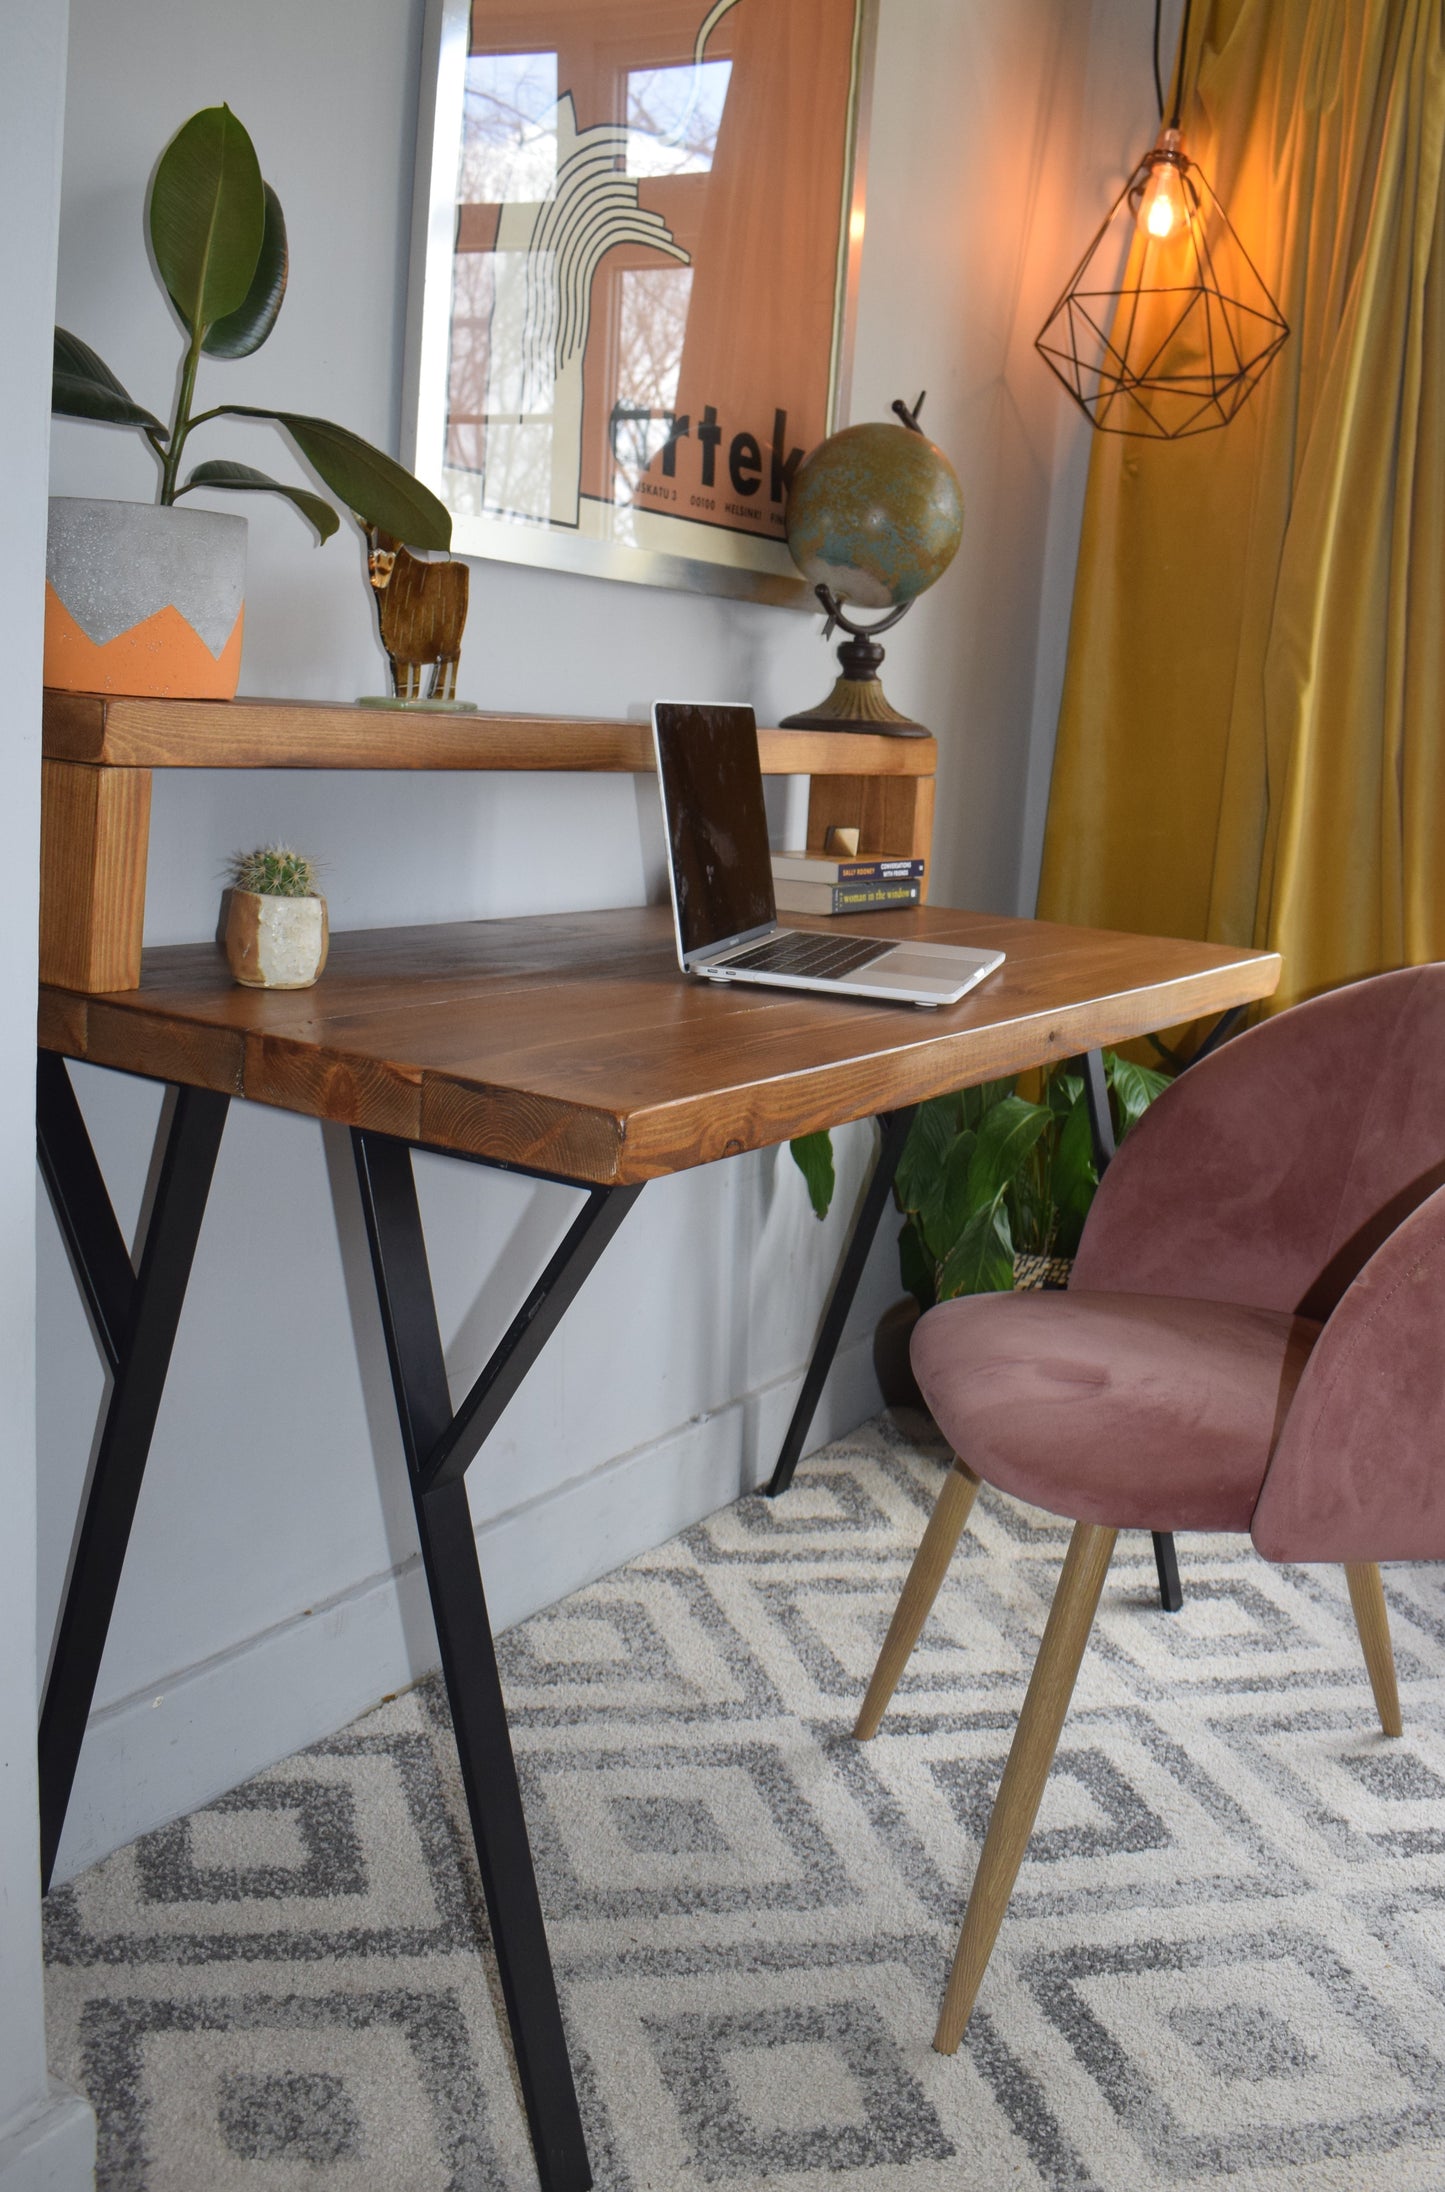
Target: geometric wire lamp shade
1166,325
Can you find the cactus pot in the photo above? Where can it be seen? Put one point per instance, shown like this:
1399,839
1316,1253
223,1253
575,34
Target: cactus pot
275,943
143,599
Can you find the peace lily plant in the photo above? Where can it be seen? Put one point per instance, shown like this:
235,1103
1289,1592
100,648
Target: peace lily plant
218,237
989,1178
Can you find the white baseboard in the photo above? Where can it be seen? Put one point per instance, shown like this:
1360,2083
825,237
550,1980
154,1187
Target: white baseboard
52,2150
154,1755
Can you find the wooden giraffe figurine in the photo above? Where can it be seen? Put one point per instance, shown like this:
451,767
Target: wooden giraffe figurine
422,611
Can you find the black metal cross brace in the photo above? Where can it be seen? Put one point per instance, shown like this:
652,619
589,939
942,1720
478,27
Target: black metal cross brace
439,1443
893,1126
135,1315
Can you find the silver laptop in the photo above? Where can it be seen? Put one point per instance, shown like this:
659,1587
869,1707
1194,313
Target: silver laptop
722,880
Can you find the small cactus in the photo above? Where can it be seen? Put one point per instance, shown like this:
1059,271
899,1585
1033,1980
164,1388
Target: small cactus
273,871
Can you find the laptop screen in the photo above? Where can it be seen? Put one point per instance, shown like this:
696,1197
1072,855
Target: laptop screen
717,826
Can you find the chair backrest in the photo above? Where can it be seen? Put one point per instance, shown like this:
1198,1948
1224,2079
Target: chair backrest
1358,1472
1271,1171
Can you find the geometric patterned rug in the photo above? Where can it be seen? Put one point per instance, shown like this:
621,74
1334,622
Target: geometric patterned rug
1224,1962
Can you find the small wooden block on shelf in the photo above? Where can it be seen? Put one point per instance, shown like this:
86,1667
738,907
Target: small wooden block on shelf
99,753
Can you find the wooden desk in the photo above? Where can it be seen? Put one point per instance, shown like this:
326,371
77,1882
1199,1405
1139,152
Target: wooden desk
570,1048
99,755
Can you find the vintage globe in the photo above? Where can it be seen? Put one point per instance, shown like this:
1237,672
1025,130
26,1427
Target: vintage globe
875,513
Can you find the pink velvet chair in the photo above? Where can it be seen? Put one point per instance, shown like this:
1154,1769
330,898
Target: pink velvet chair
1253,1339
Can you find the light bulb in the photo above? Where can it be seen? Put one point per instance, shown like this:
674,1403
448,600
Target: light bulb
1164,208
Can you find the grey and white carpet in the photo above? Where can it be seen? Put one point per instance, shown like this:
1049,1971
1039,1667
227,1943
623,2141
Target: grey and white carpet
1225,1961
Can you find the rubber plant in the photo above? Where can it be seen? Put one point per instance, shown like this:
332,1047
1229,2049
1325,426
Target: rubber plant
988,1175
218,238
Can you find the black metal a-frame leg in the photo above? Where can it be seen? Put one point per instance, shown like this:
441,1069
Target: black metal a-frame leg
893,1128
135,1315
440,1444
1101,1124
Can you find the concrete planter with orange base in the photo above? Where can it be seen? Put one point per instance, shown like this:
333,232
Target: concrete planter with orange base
143,599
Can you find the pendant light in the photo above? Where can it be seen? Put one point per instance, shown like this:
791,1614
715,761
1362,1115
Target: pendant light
1166,324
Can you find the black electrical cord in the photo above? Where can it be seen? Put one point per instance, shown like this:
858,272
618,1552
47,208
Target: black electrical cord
1179,66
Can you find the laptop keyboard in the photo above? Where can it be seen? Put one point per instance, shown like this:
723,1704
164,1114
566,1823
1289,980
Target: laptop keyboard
799,951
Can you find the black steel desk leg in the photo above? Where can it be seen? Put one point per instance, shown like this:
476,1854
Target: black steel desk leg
449,1552
1101,1124
893,1134
136,1325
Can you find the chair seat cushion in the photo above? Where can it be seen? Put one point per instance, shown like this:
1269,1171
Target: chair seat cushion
1132,1410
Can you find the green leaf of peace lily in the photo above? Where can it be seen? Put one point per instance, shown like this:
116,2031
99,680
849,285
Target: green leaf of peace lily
945,1208
976,1103
982,1260
219,472
208,217
1134,1086
1074,1178
813,1156
916,1268
245,329
930,1138
84,387
374,487
1007,1134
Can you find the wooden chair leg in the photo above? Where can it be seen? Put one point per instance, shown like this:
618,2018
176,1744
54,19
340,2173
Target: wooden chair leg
1367,1597
930,1566
1036,1738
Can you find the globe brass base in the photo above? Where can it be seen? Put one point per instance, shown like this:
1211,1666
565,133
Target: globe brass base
857,701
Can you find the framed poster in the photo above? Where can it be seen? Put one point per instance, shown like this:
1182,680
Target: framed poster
635,246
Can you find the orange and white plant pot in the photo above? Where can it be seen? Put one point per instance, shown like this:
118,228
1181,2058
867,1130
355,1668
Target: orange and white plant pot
144,599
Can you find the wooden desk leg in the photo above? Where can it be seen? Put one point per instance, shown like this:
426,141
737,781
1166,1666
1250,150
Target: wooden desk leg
94,841
438,1443
894,1127
135,1318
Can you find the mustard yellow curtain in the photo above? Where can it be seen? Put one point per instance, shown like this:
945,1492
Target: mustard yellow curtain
1252,741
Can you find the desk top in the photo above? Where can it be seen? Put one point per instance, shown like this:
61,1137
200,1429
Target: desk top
571,1043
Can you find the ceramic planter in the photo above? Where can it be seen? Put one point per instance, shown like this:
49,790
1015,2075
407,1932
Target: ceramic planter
143,599
275,943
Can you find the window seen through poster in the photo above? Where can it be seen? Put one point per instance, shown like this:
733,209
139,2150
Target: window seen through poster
657,217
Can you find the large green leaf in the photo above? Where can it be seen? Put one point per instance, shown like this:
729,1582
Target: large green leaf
1062,1091
220,472
977,1103
1074,1179
931,1136
84,387
813,1156
245,329
1135,1088
1009,1131
982,1261
945,1208
208,216
916,1268
373,486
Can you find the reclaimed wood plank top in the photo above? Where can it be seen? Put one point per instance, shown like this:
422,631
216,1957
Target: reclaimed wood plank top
124,732
572,1044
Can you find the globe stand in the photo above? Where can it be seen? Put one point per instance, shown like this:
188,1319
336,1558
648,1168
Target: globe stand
857,701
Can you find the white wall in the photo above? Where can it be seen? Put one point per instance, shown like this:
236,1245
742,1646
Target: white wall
261,1604
47,2137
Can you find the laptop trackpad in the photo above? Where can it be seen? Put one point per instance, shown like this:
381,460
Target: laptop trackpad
938,969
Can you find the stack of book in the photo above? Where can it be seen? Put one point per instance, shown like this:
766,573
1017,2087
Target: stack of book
821,882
